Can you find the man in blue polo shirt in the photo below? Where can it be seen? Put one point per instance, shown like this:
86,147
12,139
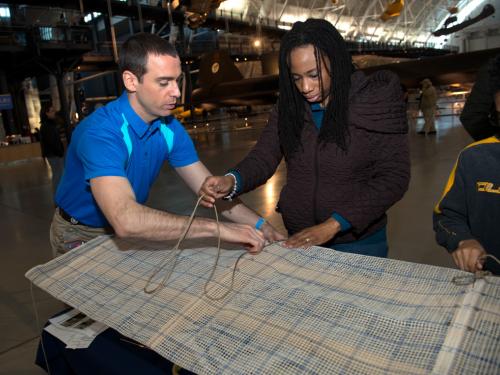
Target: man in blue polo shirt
116,154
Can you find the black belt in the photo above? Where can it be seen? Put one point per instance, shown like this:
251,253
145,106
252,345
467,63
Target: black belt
70,219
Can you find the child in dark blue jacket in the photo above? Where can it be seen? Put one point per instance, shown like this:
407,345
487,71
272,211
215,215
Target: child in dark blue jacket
467,218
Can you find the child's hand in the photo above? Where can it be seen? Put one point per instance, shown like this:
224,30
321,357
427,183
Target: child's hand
467,255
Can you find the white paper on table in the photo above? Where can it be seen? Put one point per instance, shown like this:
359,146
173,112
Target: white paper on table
75,329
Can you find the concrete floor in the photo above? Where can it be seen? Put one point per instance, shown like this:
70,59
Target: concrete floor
27,208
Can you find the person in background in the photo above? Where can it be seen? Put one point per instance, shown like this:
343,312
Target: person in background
50,142
117,152
428,101
344,139
466,217
479,115
411,110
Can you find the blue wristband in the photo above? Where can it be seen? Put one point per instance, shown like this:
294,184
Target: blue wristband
260,223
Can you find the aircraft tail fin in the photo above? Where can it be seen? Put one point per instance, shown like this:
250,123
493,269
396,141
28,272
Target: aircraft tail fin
217,67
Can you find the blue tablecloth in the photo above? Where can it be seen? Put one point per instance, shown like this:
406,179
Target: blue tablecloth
110,353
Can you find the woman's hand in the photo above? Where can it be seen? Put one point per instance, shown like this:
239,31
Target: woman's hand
215,187
316,235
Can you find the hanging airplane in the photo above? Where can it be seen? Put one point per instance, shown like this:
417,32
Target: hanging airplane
487,11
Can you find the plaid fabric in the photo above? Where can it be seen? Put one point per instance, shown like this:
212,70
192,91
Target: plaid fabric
291,311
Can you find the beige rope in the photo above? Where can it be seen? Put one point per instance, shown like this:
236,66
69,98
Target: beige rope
177,251
470,279
484,257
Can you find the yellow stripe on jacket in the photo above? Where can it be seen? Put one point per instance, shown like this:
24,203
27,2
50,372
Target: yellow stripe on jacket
451,179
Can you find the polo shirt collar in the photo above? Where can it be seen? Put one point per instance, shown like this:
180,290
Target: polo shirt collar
139,126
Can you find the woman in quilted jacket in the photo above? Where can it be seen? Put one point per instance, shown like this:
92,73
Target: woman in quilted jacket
343,136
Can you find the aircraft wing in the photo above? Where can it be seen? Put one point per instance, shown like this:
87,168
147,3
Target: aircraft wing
250,91
441,70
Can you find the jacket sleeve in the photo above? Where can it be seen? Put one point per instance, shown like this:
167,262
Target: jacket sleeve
51,141
381,112
479,109
261,163
450,214
57,143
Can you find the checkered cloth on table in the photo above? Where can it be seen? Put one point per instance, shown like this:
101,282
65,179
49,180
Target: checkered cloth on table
290,311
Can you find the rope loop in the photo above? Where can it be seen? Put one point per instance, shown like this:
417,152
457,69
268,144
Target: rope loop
471,278
149,289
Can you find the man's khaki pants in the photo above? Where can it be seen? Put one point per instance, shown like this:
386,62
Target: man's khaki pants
65,236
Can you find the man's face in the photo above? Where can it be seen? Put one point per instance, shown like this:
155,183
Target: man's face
156,94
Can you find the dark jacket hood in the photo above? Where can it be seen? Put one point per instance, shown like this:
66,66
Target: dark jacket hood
375,103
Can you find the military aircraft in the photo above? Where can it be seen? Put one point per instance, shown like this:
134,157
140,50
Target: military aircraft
441,70
222,84
487,11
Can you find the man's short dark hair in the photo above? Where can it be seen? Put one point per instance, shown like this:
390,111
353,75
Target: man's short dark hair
135,51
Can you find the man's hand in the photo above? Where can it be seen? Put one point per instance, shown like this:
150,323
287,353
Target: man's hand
243,233
316,235
271,234
467,255
215,187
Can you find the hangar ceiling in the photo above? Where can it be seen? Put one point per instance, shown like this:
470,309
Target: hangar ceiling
387,21
361,20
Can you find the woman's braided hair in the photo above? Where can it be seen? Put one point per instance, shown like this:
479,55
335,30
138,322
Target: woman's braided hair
327,42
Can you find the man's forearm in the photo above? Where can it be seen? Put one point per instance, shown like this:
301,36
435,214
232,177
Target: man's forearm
138,221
